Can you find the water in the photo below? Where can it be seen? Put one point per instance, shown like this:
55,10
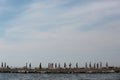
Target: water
14,76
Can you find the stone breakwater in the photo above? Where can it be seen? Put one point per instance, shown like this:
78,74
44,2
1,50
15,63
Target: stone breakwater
72,70
58,68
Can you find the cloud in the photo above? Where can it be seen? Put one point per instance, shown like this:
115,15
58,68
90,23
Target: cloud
38,15
3,7
47,29
28,25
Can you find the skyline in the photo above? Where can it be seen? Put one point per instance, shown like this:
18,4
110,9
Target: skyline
59,31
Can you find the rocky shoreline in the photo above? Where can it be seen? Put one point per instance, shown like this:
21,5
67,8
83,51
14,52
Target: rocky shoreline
57,68
72,70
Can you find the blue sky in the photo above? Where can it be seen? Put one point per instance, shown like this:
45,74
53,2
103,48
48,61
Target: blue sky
59,31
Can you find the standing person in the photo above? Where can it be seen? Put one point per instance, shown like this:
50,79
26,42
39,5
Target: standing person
86,65
94,65
40,66
49,65
90,66
5,65
101,65
65,65
107,65
55,65
30,65
52,65
26,66
70,65
2,65
59,66
76,65
97,65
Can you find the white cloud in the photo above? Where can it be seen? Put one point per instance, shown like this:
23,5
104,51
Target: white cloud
37,15
26,25
63,38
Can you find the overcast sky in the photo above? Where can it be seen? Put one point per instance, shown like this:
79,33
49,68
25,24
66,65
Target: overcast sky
59,31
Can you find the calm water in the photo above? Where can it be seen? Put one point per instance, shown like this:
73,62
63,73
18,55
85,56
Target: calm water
14,76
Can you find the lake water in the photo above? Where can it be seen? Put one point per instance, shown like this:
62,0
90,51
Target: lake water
14,76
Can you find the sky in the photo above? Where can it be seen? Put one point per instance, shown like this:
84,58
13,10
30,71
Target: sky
59,31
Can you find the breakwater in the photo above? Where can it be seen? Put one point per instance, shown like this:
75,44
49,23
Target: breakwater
72,70
57,68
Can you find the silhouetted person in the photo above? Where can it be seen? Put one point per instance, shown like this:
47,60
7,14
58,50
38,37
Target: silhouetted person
55,65
90,66
40,66
97,65
30,65
8,67
2,65
5,65
52,65
49,65
65,65
94,65
70,65
77,65
86,65
59,66
26,66
100,64
107,65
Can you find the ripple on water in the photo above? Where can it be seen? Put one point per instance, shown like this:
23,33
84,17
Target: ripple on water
17,76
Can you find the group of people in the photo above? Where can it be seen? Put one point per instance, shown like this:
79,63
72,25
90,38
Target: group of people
95,65
58,66
4,65
65,66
